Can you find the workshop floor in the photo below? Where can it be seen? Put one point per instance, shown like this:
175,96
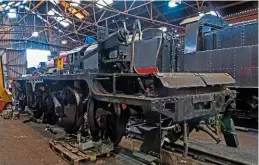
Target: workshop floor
247,140
246,152
21,145
27,144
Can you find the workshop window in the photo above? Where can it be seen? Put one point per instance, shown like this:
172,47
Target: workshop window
35,56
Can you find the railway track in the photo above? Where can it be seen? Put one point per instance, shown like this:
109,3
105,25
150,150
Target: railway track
245,124
173,154
206,157
170,154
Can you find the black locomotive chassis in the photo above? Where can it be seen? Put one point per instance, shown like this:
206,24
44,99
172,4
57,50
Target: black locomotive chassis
179,108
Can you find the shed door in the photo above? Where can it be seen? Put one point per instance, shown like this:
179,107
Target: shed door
14,63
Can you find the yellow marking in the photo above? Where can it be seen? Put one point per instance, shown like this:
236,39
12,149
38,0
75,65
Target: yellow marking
74,11
60,63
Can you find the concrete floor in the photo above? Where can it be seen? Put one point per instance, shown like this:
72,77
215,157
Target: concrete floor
247,140
27,144
246,152
21,145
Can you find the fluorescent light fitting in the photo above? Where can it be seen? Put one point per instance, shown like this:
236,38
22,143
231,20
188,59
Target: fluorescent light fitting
55,2
27,8
40,17
74,4
164,29
64,42
67,20
60,31
76,1
17,4
7,7
55,27
63,23
12,13
102,3
24,1
52,1
35,34
44,20
10,3
213,13
172,4
51,12
56,12
21,6
58,19
201,14
3,5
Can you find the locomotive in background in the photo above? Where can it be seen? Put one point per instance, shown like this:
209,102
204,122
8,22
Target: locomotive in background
231,49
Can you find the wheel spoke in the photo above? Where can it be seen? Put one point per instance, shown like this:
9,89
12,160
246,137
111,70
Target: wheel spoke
105,120
72,118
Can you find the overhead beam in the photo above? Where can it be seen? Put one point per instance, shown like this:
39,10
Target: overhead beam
34,8
131,8
73,10
142,18
141,12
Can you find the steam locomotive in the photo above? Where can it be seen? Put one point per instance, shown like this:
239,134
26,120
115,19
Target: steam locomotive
118,82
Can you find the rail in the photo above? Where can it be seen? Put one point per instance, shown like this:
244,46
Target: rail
173,154
206,156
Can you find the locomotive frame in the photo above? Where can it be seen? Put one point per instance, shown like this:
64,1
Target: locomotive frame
125,85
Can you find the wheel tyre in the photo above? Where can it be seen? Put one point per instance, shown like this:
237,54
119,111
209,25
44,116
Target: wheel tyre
38,113
94,129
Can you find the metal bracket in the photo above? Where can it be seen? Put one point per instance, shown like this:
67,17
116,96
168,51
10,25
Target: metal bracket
34,82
